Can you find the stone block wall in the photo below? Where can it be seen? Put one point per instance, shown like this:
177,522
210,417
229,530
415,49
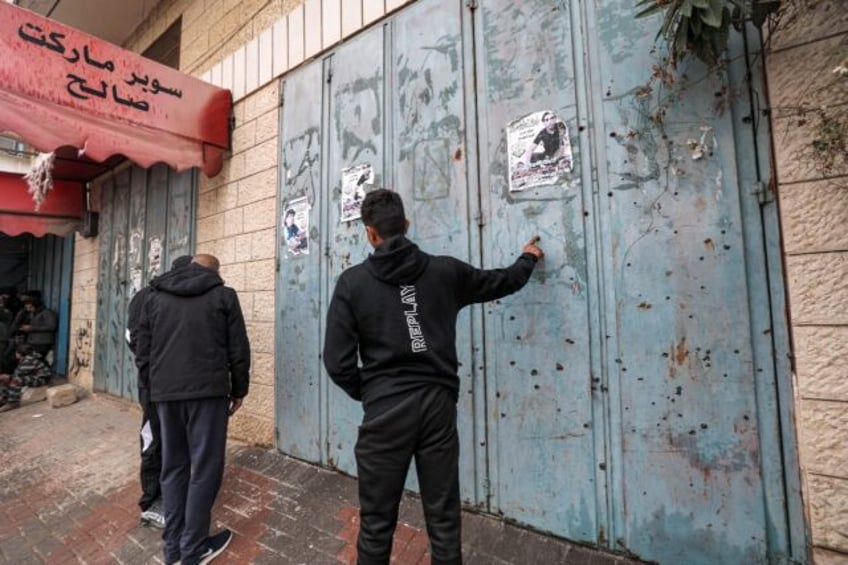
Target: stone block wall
813,200
84,307
236,221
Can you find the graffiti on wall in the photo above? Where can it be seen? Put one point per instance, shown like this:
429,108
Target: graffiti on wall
81,348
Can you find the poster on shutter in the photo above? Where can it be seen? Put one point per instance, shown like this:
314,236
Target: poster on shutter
154,257
296,226
355,181
538,150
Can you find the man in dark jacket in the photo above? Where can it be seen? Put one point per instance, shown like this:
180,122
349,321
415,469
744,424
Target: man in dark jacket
398,311
151,442
194,353
40,328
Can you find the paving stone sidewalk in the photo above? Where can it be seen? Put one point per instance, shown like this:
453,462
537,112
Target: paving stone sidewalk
69,491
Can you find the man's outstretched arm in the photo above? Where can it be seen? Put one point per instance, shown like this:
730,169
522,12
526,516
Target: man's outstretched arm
482,285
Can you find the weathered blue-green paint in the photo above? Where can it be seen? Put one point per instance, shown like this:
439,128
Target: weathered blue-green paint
146,220
787,534
299,279
357,104
544,393
635,395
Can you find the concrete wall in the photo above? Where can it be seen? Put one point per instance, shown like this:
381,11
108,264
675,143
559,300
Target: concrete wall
814,214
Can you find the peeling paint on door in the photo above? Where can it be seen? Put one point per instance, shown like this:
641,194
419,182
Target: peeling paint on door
622,399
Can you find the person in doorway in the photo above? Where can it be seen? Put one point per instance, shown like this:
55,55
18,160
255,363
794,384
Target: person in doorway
20,313
40,328
151,443
194,354
7,309
397,310
31,371
6,318
19,316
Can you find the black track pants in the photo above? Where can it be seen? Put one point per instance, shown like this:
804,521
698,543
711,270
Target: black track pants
151,452
420,424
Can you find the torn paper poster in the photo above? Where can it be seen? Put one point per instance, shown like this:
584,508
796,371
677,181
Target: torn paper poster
355,181
539,151
296,226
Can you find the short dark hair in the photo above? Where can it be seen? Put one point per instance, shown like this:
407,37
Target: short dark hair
383,210
548,113
289,212
23,349
32,297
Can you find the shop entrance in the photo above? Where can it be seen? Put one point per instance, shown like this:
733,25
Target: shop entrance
44,264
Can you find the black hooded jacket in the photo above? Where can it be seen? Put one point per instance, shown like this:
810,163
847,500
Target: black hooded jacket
398,311
192,341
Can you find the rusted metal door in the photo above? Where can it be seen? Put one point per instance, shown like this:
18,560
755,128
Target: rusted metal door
146,220
356,90
412,140
632,396
545,424
299,281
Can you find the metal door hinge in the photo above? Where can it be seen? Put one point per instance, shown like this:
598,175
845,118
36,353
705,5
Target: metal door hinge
282,96
764,195
472,4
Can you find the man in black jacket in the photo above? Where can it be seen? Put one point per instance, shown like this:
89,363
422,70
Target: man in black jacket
194,352
397,310
151,442
40,327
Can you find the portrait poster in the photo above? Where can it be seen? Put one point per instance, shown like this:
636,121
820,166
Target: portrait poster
355,182
295,226
538,150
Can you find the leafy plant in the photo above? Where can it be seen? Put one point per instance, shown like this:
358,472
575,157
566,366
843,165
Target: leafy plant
702,27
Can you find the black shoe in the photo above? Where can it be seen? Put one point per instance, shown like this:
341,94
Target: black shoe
215,545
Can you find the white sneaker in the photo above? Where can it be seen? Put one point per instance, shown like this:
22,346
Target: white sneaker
153,516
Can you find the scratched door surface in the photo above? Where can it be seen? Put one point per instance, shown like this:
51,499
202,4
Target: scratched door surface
414,141
357,121
299,282
146,220
431,151
545,428
691,375
628,396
